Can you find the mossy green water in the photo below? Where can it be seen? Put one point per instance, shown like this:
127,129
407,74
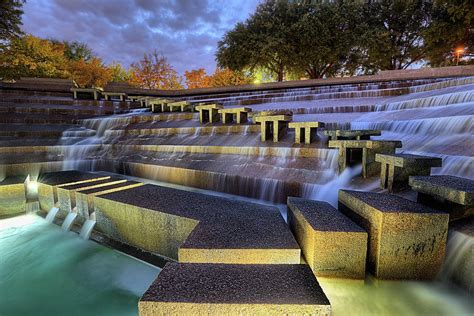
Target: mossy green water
46,271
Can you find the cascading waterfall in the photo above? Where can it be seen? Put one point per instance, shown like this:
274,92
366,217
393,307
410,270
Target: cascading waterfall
52,214
86,229
68,221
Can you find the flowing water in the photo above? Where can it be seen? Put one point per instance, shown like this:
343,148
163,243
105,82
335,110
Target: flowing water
86,229
46,271
68,221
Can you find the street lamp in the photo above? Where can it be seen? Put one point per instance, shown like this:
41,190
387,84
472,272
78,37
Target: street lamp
459,51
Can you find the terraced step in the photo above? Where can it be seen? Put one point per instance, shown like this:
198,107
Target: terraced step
218,289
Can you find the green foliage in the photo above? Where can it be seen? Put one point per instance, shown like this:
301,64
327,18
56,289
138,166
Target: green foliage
76,51
10,19
451,28
119,73
30,56
394,34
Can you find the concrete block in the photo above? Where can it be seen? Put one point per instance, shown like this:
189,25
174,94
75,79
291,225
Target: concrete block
407,240
333,245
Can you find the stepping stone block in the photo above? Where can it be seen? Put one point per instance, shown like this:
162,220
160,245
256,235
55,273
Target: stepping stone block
96,92
49,182
396,168
305,131
67,192
350,150
159,105
273,126
226,289
240,114
339,134
332,244
208,112
448,193
407,240
180,106
121,95
12,195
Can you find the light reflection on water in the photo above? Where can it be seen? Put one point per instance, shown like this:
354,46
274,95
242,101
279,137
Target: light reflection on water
46,271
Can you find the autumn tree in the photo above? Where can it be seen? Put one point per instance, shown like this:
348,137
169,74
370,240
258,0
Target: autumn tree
119,74
196,78
154,72
90,73
227,77
10,19
30,56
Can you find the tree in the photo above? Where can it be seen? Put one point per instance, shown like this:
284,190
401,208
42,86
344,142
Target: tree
264,40
77,50
30,56
196,78
154,72
10,19
119,74
325,39
451,28
90,73
227,77
394,34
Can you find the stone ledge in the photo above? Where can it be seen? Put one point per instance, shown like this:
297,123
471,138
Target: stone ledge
455,189
218,289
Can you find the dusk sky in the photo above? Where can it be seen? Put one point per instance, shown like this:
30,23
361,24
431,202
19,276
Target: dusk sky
185,31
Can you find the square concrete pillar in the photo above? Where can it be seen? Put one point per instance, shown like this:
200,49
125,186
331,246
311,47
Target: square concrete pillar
407,240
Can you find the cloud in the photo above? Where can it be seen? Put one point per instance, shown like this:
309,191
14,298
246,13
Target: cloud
185,31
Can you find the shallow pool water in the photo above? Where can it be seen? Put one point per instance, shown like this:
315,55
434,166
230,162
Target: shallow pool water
46,271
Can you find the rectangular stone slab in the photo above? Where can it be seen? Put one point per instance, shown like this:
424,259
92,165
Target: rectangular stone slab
407,240
333,245
49,182
226,289
449,193
352,134
196,227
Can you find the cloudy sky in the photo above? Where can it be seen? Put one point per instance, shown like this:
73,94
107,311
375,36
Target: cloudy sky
185,31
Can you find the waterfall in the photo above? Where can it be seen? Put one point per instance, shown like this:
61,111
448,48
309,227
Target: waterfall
52,214
87,228
457,266
68,221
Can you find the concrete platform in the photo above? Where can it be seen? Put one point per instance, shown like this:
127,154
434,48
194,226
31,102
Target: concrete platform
332,244
193,227
396,168
351,134
208,112
221,289
407,240
49,182
240,114
448,193
180,105
272,126
305,132
12,195
363,151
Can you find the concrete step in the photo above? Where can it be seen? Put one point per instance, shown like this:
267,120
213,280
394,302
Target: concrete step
223,289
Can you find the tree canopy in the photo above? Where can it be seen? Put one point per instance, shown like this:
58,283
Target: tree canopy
154,72
10,19
320,39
